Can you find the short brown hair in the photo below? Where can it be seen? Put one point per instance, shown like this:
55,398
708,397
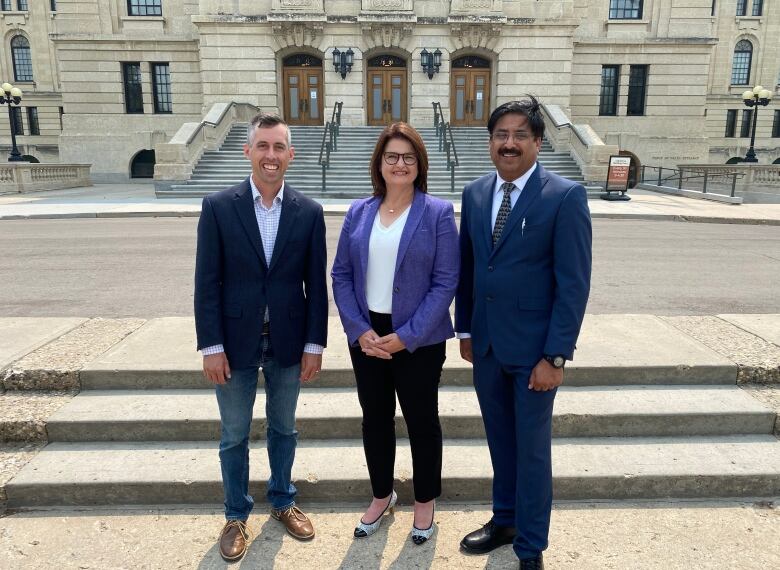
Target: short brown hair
407,133
266,120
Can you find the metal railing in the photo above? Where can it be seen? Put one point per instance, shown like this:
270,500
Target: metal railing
329,144
446,141
696,179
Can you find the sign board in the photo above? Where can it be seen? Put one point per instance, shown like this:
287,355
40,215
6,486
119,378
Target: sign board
617,177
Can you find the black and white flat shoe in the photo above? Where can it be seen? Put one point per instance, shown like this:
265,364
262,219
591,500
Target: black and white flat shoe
363,530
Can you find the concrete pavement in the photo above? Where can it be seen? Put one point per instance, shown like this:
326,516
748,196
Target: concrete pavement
138,200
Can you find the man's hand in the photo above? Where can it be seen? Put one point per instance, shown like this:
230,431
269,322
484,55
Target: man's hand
390,343
466,352
368,344
545,377
311,364
216,368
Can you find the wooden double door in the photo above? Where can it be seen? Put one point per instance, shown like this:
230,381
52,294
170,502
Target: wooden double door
386,95
470,97
303,104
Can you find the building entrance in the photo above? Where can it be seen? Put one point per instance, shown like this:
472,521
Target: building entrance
470,92
302,80
386,90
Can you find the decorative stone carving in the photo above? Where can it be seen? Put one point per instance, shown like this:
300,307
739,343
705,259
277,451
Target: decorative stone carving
297,5
387,5
386,35
297,34
475,35
476,6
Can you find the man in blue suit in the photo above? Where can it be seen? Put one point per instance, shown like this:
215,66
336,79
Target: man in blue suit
261,301
525,240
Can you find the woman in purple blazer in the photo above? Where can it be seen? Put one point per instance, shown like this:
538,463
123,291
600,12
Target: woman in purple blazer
394,278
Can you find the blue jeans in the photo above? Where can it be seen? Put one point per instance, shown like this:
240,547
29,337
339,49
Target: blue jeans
236,399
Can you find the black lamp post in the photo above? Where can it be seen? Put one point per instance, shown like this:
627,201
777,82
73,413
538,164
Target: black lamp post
753,98
342,61
12,96
431,62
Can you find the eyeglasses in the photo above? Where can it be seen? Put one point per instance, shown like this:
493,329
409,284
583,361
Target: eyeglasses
392,158
504,136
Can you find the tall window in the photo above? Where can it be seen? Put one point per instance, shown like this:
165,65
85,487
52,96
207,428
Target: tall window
625,9
744,128
161,86
758,7
740,67
53,5
5,5
20,53
731,123
741,7
144,7
131,74
16,120
32,120
776,125
21,5
637,90
713,7
609,89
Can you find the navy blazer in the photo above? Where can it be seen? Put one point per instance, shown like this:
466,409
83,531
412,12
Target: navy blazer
233,284
426,271
526,297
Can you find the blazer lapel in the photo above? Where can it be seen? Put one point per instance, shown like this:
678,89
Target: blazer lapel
531,191
367,221
290,210
412,221
245,209
487,211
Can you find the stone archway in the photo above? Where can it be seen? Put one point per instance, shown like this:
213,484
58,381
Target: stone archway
142,165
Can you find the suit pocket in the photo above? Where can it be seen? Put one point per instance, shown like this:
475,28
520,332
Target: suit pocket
232,311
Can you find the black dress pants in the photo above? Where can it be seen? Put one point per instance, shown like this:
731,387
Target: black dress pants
415,378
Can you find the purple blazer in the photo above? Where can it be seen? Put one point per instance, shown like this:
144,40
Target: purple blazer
426,271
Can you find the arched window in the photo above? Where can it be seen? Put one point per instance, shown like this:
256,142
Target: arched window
740,68
20,52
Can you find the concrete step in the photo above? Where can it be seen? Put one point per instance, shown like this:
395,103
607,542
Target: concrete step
155,473
328,413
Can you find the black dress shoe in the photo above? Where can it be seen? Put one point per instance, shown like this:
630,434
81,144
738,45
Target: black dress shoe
488,538
532,563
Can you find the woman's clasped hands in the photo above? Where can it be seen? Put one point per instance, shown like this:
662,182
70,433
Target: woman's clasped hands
380,346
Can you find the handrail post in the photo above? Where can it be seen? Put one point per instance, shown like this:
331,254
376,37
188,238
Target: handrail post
706,173
643,173
733,183
660,170
679,180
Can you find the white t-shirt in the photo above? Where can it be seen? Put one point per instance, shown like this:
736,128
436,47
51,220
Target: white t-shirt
382,255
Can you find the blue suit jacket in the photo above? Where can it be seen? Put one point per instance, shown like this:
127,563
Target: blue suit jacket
233,284
526,297
426,271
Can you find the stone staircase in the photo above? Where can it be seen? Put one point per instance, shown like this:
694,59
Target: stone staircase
348,175
667,423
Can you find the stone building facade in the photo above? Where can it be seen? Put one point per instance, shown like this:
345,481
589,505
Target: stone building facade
113,78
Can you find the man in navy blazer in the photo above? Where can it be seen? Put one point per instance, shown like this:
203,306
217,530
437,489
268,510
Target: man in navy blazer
260,302
525,240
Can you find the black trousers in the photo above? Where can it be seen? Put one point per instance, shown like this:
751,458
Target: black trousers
415,378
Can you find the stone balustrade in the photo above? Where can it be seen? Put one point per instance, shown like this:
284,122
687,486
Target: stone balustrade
19,177
752,174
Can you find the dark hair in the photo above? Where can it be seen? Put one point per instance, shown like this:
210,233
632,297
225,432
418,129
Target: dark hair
530,108
266,120
405,132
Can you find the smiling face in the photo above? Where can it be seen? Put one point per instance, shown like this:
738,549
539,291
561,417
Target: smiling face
270,154
399,175
513,147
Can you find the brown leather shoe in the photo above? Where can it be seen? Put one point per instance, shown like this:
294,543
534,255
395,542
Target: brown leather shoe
233,541
297,523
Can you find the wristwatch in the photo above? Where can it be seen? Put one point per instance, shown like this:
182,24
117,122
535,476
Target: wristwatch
556,361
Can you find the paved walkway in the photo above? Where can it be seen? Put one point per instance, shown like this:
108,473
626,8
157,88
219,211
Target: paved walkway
133,200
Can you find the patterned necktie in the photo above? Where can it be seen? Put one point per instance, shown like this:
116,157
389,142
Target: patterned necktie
503,211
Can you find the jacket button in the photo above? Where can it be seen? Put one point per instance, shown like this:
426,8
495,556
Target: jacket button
489,298
490,268
396,289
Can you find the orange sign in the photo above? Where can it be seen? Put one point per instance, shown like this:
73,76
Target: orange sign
617,175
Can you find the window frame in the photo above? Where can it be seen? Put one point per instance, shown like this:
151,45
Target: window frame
605,98
744,127
731,123
143,7
33,123
620,9
741,7
17,64
633,88
22,5
161,99
6,5
776,125
747,68
133,106
758,8
53,5
17,123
